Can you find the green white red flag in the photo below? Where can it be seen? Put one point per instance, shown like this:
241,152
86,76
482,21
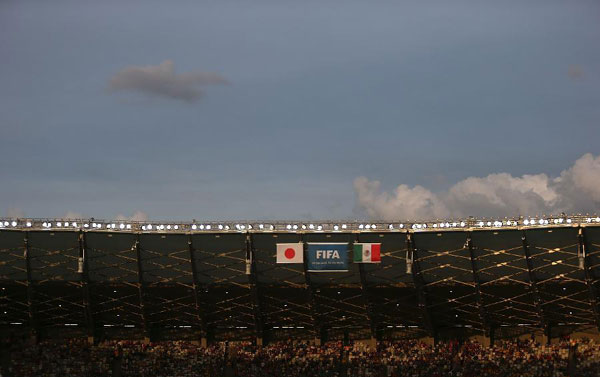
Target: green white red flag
367,253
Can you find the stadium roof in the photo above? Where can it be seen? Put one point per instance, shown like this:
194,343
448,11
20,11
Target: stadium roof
473,275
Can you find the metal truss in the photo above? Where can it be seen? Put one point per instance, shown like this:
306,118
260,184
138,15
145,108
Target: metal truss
504,281
479,279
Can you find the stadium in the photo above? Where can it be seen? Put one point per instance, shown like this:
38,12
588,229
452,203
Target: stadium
207,283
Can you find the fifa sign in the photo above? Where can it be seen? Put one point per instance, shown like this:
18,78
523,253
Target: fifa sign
327,257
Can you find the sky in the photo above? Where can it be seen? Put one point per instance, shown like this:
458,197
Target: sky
282,109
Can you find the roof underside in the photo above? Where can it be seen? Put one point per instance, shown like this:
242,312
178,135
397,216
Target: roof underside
199,281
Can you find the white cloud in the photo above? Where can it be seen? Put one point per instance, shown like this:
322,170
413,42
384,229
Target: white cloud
137,216
161,80
577,189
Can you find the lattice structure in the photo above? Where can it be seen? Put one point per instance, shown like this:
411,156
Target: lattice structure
228,285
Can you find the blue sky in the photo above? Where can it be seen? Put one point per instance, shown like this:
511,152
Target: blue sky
319,93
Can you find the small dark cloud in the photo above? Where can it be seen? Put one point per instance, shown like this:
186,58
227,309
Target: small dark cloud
161,80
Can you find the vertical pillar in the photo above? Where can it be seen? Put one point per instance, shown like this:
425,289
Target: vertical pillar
253,280
483,315
33,321
85,280
419,283
533,283
197,289
142,289
319,329
589,276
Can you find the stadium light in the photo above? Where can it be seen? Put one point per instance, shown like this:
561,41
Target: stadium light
14,223
194,226
28,224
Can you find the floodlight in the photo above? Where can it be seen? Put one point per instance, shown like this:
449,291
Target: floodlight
28,224
14,223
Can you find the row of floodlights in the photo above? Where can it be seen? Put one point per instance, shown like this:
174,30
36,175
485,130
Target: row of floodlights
295,227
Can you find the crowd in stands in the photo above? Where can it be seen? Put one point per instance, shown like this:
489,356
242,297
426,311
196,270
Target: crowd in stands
77,358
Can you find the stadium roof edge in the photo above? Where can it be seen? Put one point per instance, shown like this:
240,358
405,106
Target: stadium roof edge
297,226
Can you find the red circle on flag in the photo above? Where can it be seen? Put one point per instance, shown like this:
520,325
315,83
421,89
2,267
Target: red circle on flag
290,253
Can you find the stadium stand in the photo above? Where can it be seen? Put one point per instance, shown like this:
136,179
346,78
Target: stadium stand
79,291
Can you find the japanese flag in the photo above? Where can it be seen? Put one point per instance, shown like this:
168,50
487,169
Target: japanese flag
290,252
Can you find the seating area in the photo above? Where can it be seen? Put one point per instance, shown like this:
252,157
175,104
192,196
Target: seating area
77,358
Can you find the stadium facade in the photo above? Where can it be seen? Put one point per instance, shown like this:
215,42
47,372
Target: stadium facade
220,280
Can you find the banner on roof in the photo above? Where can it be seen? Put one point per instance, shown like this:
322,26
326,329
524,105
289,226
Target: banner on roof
327,257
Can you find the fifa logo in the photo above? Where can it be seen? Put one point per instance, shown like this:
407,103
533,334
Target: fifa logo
328,254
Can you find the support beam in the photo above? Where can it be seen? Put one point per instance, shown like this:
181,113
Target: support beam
85,282
199,292
255,290
312,299
33,320
589,275
483,314
537,300
142,287
419,283
367,296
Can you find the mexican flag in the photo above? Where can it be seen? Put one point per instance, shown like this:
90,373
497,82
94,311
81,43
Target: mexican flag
367,253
